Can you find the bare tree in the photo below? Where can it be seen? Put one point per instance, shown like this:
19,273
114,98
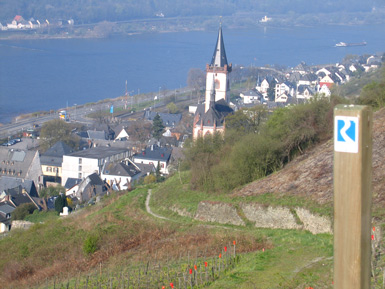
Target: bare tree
196,79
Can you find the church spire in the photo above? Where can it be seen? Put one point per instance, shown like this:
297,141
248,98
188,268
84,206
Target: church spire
219,57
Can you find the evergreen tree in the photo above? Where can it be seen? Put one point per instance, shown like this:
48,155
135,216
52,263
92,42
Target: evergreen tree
157,127
271,90
60,203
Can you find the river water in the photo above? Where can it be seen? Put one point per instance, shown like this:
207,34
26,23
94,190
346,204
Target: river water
51,74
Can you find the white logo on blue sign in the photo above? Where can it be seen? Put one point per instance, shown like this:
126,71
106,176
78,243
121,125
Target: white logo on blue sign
346,134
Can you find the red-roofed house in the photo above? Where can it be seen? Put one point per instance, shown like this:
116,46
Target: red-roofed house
18,18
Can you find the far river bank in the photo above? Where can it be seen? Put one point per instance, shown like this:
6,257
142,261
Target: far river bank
250,20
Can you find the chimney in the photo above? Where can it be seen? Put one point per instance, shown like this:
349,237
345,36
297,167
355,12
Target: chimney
162,155
143,153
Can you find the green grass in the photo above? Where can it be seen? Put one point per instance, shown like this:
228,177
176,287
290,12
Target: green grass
128,236
38,217
298,259
173,192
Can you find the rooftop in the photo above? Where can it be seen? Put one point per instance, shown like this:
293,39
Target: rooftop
99,152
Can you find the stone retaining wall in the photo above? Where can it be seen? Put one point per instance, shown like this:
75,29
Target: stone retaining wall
219,213
269,217
263,217
314,223
24,225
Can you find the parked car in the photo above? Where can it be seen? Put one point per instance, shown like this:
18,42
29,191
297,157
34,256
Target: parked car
9,143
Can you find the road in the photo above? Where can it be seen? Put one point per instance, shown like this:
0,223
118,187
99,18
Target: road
78,113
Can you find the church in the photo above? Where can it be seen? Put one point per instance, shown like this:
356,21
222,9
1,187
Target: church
210,115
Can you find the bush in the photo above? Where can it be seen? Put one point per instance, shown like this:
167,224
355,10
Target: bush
254,147
90,244
52,191
149,179
22,211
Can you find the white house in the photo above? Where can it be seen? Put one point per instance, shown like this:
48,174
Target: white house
324,89
251,96
153,155
120,175
284,97
305,92
5,216
122,135
79,165
324,70
263,87
283,88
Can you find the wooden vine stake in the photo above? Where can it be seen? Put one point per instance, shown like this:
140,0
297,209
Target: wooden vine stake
352,196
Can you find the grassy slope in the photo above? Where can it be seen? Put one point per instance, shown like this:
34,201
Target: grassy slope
128,235
286,265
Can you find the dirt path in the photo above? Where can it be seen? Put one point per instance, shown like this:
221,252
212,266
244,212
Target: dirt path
148,209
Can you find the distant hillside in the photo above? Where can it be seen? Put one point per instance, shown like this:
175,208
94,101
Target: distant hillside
98,10
311,175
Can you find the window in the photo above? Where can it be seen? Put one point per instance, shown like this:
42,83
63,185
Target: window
80,168
80,175
80,161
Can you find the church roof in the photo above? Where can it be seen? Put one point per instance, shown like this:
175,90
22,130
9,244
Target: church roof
216,114
219,57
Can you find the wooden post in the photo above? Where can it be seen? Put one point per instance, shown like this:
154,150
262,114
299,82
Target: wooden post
352,196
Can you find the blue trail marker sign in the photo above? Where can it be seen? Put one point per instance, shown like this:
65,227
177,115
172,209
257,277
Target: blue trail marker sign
352,196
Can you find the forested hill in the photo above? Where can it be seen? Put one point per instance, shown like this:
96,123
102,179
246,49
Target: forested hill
91,11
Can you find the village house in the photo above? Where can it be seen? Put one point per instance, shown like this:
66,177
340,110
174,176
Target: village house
72,186
6,210
251,96
19,196
305,92
154,155
123,134
264,85
90,187
284,88
121,175
169,120
79,165
51,161
21,164
7,183
324,90
327,80
301,68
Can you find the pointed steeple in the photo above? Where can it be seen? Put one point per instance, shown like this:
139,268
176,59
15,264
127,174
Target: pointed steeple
219,57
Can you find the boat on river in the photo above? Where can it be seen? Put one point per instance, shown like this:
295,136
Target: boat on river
344,44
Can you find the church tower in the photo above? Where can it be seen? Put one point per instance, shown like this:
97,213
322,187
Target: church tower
217,74
210,117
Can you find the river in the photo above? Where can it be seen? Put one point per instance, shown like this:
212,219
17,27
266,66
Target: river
53,73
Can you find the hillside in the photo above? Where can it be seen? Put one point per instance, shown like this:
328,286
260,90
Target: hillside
311,174
98,10
127,238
